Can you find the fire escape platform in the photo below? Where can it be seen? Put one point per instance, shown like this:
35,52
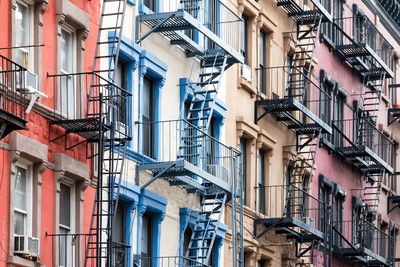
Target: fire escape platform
359,156
10,122
300,14
172,24
282,109
179,172
291,227
359,255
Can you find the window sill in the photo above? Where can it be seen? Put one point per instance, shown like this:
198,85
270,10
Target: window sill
325,142
328,41
16,260
246,85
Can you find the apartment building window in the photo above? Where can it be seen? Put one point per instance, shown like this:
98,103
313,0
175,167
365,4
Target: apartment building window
338,219
261,181
186,240
147,240
244,45
148,117
151,4
68,92
326,28
338,17
243,150
24,34
338,117
121,81
66,224
324,198
23,200
262,64
119,231
383,240
325,104
261,263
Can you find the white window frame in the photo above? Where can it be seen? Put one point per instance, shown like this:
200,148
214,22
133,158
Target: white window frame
28,224
71,229
73,43
29,50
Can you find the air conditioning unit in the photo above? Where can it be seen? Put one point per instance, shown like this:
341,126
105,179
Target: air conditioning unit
309,221
27,246
219,171
31,83
246,72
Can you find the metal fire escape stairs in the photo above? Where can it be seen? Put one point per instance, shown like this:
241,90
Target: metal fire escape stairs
308,129
111,145
215,58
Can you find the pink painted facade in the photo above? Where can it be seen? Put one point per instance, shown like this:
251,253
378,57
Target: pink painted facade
47,170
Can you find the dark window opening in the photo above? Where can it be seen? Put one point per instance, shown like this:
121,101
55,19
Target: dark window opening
151,4
262,64
148,117
261,181
147,240
244,40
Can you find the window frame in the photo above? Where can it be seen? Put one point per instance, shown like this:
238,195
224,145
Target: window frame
151,153
150,235
31,35
243,149
262,57
244,29
70,250
261,180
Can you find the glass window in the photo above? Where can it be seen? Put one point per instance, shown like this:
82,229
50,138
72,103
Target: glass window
187,236
65,224
262,58
338,114
68,90
338,220
243,149
147,240
148,117
244,39
324,197
261,181
121,81
338,17
21,198
118,233
23,34
151,4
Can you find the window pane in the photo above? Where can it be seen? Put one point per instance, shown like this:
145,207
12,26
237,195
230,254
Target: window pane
65,205
243,149
65,51
20,223
147,237
147,98
21,189
63,247
120,80
243,39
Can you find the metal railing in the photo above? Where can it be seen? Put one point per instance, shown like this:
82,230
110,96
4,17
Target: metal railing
72,89
13,92
361,132
291,82
360,234
165,141
167,261
361,30
213,14
271,201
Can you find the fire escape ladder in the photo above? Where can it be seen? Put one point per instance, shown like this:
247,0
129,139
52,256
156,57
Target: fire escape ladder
372,96
205,90
372,190
205,230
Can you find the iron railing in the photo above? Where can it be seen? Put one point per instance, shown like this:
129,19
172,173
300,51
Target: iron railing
292,82
361,234
166,141
361,132
13,92
167,261
272,202
362,31
213,14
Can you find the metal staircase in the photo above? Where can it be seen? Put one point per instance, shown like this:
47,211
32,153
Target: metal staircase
304,255
370,100
205,230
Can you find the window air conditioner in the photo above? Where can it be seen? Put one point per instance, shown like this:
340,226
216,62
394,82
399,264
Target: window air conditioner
31,88
246,72
27,246
309,221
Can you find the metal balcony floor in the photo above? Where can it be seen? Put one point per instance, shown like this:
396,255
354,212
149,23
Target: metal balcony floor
282,108
359,256
172,24
291,227
178,174
11,123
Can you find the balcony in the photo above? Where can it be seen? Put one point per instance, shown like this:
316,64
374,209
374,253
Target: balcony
305,12
363,145
363,47
300,108
108,107
361,242
187,156
301,217
200,28
13,97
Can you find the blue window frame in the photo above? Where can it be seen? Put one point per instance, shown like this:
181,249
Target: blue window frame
187,220
151,70
150,6
129,195
129,56
151,211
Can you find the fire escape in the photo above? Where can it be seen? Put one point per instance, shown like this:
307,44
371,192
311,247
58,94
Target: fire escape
298,109
12,97
89,111
357,139
208,32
